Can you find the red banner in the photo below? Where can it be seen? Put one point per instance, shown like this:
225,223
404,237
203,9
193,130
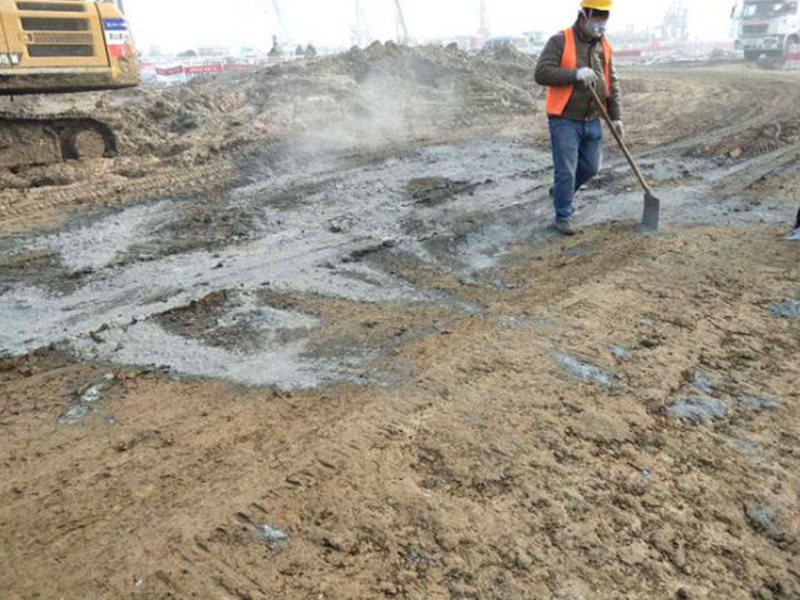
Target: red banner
203,70
169,71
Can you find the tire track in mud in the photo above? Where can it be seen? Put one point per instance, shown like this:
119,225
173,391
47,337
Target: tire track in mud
715,105
19,209
742,176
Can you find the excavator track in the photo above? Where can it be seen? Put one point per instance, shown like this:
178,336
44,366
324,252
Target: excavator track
31,139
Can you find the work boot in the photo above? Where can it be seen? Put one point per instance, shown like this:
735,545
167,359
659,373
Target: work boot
794,236
564,227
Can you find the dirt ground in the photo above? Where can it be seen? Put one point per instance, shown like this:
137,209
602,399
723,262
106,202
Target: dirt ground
334,352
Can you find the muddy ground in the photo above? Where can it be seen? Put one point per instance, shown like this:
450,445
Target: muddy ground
363,368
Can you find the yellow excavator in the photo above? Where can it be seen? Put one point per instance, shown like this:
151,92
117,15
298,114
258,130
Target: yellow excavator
55,47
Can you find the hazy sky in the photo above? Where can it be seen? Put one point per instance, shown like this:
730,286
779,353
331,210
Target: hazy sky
178,24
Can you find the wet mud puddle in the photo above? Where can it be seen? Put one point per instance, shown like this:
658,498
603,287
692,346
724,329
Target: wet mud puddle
253,286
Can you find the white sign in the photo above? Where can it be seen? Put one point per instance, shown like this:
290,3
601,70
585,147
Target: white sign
10,59
116,38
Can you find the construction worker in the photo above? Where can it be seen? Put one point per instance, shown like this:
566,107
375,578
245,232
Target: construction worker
573,60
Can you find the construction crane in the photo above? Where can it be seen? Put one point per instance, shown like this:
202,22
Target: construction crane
281,23
361,35
484,29
400,23
675,26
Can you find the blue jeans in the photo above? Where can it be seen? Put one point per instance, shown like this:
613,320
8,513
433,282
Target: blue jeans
577,153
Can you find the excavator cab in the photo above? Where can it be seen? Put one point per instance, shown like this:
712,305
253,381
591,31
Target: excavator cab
56,46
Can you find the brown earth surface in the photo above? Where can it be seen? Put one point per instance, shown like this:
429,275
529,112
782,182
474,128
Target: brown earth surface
614,416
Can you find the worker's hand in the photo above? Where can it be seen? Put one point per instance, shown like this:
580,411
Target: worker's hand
587,76
620,128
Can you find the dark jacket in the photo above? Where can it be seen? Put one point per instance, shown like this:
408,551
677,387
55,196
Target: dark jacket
581,106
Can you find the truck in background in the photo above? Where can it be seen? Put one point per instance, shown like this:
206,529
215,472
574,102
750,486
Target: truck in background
766,29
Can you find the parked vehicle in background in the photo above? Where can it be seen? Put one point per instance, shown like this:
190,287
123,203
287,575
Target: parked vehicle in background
766,28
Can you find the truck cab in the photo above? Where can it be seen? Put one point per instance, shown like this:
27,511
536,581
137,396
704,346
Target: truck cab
766,28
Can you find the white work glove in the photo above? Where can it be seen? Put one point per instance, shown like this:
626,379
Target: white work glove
620,128
587,76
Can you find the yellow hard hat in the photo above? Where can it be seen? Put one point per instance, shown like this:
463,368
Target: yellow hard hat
597,4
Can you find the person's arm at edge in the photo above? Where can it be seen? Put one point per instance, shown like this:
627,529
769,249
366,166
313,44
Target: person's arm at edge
614,104
548,69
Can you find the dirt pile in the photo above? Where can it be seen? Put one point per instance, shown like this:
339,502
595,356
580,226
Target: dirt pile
382,91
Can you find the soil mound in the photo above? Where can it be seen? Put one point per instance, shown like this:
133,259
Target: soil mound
383,90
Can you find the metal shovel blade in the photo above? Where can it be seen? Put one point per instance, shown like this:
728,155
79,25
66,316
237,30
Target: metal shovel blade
652,210
652,205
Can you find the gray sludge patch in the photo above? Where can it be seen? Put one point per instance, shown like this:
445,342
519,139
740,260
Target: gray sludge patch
274,537
701,383
306,224
98,244
585,371
759,404
85,401
320,225
147,344
513,321
698,410
770,522
619,351
785,310
761,517
746,446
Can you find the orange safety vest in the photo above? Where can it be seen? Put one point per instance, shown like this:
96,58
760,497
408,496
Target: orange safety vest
558,96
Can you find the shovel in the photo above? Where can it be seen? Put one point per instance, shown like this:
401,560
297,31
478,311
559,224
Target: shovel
652,205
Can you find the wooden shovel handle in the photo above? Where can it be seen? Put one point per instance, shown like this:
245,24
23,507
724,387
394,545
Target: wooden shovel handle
621,143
